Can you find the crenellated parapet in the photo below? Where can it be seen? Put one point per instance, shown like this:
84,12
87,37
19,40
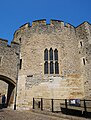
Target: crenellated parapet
12,47
3,42
58,23
41,26
38,22
16,47
83,30
54,24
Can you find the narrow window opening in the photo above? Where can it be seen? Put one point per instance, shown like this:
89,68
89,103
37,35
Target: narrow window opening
84,61
56,54
81,43
20,63
20,40
46,67
51,67
51,53
46,54
56,68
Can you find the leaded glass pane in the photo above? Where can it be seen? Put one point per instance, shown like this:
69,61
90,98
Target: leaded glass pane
56,68
46,67
51,54
46,54
56,54
51,67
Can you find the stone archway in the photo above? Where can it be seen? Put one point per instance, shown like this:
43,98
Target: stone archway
10,90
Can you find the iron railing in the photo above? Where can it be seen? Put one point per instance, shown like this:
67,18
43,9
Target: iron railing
67,106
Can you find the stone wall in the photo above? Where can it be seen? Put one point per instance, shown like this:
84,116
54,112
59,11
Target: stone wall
33,40
74,58
84,35
9,59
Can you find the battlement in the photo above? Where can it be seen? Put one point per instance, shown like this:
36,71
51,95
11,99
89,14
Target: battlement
84,26
84,30
3,42
68,25
85,23
39,22
52,23
42,22
13,45
26,25
56,22
42,26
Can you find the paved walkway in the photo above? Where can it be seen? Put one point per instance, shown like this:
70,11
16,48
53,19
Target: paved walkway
31,115
25,115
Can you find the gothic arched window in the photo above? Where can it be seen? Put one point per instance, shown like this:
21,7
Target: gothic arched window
51,65
55,54
51,54
46,54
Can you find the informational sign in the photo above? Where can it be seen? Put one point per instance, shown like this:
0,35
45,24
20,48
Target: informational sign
74,102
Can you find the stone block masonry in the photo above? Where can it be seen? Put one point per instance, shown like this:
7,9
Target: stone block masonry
68,73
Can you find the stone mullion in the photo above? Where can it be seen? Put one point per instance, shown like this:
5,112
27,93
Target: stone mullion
53,67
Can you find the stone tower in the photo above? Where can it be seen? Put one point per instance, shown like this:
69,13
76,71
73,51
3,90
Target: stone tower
55,61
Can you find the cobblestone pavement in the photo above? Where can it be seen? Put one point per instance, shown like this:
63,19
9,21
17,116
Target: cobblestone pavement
25,115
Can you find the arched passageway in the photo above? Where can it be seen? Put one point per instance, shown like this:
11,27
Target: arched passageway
10,89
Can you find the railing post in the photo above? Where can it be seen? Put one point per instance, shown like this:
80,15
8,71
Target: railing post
66,105
52,105
85,110
33,104
39,104
42,104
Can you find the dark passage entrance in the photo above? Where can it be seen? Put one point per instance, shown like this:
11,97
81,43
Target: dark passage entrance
8,91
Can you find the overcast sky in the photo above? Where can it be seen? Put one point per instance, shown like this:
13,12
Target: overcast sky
14,13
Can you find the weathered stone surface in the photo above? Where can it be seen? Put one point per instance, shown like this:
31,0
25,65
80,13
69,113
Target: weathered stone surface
74,58
9,59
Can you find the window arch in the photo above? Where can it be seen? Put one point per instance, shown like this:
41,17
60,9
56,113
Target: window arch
55,54
51,65
51,53
46,54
